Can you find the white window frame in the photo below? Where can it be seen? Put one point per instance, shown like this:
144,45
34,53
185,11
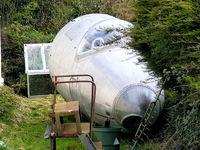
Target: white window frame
44,71
32,72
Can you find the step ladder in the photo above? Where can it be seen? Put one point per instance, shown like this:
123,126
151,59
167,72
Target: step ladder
59,129
144,122
69,129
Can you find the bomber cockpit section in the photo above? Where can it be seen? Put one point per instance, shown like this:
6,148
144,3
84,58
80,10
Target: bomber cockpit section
103,35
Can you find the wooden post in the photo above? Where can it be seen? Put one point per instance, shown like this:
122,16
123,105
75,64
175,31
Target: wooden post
78,122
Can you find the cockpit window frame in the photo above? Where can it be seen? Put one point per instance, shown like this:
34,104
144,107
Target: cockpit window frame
97,26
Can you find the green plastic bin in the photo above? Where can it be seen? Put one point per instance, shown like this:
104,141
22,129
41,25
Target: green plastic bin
110,137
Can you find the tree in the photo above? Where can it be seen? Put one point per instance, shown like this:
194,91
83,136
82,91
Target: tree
34,21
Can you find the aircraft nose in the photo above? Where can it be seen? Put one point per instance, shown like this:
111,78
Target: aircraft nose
131,104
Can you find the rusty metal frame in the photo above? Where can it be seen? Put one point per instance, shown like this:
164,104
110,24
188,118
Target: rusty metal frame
93,93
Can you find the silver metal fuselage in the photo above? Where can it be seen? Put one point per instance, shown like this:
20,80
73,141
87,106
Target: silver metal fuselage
123,89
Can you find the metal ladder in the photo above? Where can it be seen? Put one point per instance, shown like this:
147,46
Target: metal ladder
144,122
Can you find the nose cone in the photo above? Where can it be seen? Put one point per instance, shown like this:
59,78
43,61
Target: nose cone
131,104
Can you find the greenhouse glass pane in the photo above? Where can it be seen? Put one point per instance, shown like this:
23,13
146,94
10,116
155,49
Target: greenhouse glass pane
40,85
46,53
34,58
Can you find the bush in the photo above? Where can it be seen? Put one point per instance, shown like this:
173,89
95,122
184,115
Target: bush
34,21
8,103
166,33
15,36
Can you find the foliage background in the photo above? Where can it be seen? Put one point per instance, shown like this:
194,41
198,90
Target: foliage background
166,33
34,21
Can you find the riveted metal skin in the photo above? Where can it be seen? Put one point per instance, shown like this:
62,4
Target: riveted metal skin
125,86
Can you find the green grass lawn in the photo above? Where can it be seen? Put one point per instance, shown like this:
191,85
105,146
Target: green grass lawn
24,122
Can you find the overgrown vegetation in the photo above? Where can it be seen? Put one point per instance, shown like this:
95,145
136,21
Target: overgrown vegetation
34,21
166,33
23,122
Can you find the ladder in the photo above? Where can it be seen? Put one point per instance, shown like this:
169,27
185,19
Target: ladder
69,129
144,122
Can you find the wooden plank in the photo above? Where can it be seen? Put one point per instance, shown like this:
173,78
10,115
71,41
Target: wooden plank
58,125
70,128
67,107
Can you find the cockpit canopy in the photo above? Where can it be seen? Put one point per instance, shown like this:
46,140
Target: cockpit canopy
104,34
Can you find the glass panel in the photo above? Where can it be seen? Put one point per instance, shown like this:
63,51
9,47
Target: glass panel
104,34
34,58
46,53
40,85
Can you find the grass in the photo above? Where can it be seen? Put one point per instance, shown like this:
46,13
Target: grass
23,122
